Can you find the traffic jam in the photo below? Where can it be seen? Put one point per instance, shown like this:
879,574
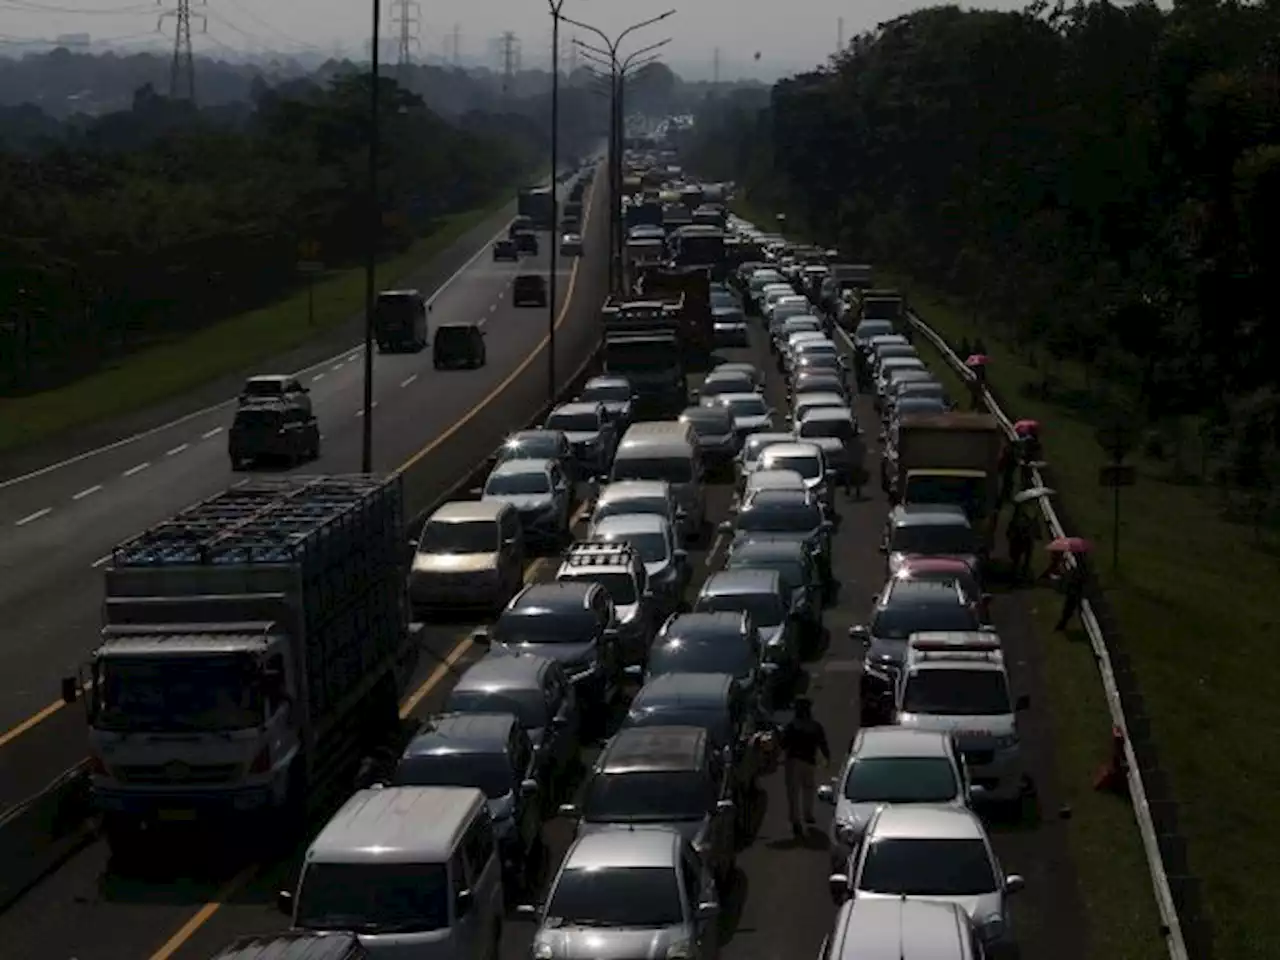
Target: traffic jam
643,685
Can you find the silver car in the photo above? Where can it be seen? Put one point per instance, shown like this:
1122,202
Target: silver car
625,497
540,492
623,894
806,459
751,412
653,537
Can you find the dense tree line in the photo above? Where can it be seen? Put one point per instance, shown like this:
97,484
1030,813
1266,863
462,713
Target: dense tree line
1100,180
165,217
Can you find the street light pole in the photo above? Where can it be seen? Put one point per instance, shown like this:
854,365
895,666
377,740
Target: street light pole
556,6
371,251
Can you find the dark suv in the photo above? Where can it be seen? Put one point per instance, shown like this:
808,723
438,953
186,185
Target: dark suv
527,242
506,250
458,345
529,290
274,430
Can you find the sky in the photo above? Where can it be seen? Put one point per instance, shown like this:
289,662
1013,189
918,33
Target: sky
791,36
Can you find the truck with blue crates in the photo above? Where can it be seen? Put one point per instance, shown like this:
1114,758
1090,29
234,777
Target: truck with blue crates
252,654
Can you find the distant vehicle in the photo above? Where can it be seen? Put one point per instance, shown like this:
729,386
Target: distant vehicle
276,386
527,243
400,321
458,345
506,250
519,224
571,245
271,429
529,290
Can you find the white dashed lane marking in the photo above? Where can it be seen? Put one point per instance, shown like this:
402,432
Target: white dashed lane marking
408,380
318,376
210,433
87,491
31,517
176,450
100,561
133,471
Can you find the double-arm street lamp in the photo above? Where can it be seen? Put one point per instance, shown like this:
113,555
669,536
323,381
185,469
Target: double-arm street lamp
372,242
617,121
556,6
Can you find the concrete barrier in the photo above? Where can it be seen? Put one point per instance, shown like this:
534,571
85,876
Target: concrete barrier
41,833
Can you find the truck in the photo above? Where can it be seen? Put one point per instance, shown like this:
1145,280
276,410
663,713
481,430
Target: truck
641,254
844,276
690,288
876,304
947,458
700,246
400,321
252,652
643,342
538,204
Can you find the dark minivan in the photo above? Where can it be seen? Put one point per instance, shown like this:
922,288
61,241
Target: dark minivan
400,321
458,346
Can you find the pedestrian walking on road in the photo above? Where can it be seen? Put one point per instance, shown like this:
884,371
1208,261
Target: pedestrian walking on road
1022,533
803,738
1072,591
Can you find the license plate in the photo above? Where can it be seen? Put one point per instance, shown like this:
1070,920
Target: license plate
177,816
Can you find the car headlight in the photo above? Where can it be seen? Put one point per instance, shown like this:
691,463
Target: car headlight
993,928
680,950
542,951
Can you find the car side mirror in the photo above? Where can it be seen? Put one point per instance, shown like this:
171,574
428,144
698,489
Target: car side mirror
528,788
724,806
481,637
860,633
559,721
477,491
527,910
1014,883
708,909
567,810
681,555
634,670
284,902
1023,702
463,902
977,792
838,886
827,793
883,548
725,526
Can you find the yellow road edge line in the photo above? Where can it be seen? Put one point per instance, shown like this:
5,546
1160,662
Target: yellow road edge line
174,943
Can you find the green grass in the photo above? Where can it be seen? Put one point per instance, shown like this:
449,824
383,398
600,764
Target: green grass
169,369
1196,598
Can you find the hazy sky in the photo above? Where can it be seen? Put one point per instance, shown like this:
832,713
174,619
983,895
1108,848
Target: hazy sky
791,35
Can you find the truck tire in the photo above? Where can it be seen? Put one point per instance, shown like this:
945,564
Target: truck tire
124,838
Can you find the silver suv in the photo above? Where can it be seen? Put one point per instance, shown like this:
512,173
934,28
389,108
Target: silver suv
618,568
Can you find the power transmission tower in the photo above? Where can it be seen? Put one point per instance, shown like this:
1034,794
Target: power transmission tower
456,52
715,66
840,35
509,45
406,14
571,59
182,70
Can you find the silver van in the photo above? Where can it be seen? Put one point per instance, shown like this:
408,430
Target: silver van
902,929
412,871
666,450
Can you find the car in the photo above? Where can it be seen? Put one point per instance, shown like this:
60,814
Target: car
519,224
753,448
948,570
591,433
469,553
911,403
782,329
725,642
786,514
937,853
921,390
538,445
806,459
272,430
537,692
902,930
826,362
573,623
801,581
817,381
624,497
768,480
571,245
527,243
884,372
619,887
278,388
540,493
760,593
615,393
656,542
720,381
752,372
729,327
506,250
458,346
890,765
617,567
717,438
670,776
529,290
930,530
751,413
493,753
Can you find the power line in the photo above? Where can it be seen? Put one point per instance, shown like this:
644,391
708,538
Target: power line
182,71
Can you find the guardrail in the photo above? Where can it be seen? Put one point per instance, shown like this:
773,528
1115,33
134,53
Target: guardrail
1176,892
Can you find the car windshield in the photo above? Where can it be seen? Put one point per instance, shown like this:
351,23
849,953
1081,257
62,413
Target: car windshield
651,506
836,429
539,448
473,536
177,694
560,626
939,539
790,572
671,469
957,693
652,546
780,518
733,656
911,867
873,328
519,484
573,422
373,898
753,406
899,621
616,897
529,706
917,404
901,780
755,446
805,464
765,608
607,393
489,772
708,422
722,298
657,796
620,586
264,388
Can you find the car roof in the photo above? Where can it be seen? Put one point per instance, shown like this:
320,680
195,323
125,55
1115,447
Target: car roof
703,624
705,411
768,549
397,825
767,438
522,436
279,378
777,496
527,465
731,365
452,733
926,821
468,511
928,514
950,566
724,398
294,945
775,480
924,591
634,847
621,524
794,449
684,689
873,742
745,580
720,373
843,413
504,671
607,380
653,749
623,489
552,597
901,927
578,406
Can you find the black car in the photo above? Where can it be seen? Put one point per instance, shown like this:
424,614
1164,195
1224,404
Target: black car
715,642
798,571
786,514
527,242
529,290
520,224
272,430
539,445
615,392
506,250
458,346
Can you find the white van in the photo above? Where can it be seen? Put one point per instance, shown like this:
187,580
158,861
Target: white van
666,450
412,871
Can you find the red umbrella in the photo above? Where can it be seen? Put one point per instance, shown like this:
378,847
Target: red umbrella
1069,545
977,360
1024,427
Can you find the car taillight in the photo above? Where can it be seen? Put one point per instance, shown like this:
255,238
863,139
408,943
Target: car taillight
262,762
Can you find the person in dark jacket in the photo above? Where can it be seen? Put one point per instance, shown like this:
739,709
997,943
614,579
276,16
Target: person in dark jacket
803,738
1072,593
1022,533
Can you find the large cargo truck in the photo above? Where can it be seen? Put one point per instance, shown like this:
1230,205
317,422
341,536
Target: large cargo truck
538,204
252,653
690,288
643,341
947,458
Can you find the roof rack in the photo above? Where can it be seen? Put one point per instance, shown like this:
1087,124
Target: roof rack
599,553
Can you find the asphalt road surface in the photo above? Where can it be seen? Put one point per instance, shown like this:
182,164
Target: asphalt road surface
58,527
780,906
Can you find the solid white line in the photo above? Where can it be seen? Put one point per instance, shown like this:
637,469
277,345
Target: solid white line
138,469
100,561
87,491
210,433
408,380
33,516
187,418
176,450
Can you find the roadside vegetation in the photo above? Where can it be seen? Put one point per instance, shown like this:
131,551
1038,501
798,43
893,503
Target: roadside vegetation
1091,190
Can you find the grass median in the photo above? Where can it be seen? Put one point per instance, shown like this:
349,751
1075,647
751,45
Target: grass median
170,369
1195,595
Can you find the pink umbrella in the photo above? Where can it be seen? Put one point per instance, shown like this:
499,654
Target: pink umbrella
1024,427
977,360
1069,545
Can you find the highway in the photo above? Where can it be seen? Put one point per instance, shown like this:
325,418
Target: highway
60,524
780,907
